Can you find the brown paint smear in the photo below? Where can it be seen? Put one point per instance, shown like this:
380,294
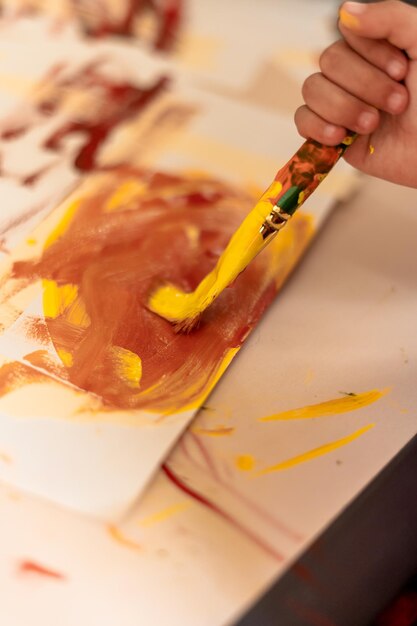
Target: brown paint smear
173,230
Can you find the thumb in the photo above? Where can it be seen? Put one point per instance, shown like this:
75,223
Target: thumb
392,20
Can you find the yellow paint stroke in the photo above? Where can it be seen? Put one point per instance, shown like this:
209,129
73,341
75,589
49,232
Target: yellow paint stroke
245,462
220,431
66,357
331,407
124,194
63,224
316,452
348,20
164,514
127,364
176,305
199,400
64,300
116,534
371,149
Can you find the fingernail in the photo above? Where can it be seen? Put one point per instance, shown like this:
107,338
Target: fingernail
396,102
395,69
366,120
348,13
329,131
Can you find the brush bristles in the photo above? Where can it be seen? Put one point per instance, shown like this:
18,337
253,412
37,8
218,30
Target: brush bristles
188,325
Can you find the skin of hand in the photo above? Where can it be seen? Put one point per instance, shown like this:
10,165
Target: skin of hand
368,84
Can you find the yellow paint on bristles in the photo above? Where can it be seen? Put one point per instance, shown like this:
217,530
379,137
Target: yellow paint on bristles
350,402
184,308
316,452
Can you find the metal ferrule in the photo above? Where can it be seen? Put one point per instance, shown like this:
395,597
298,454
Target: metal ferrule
274,222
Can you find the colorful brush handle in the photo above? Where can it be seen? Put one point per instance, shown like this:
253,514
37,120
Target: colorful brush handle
300,177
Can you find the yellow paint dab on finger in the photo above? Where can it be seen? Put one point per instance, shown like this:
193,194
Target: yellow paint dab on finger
316,452
164,514
348,20
330,407
371,149
245,462
118,536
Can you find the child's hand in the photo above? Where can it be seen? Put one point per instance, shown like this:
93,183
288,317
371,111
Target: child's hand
359,89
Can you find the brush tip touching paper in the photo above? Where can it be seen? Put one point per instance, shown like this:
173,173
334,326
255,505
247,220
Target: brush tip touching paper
292,185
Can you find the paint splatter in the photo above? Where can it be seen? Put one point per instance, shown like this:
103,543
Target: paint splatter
32,567
164,514
198,497
220,431
98,267
121,538
351,402
316,452
245,462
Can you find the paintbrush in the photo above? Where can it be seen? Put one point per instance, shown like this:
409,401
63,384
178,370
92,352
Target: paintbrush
292,185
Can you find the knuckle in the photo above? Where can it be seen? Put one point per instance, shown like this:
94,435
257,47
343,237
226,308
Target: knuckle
310,85
333,57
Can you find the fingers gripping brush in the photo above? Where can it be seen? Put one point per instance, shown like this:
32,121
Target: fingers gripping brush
292,185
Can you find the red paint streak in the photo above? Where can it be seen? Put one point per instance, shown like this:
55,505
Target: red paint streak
402,612
171,17
180,484
116,102
266,516
31,567
206,456
13,133
111,103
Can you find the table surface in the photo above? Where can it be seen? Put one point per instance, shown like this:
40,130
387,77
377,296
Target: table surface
211,534
175,560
